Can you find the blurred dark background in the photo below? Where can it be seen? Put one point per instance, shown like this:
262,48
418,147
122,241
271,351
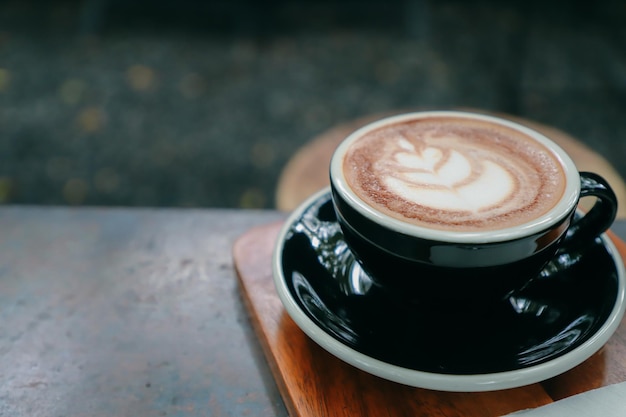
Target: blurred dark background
201,103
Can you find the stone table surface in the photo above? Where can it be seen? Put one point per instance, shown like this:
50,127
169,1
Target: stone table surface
129,312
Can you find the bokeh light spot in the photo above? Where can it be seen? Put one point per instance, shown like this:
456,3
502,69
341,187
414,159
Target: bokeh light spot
72,91
5,79
91,119
6,189
141,77
252,198
75,191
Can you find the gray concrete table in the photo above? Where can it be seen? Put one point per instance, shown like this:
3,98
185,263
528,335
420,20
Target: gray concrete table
129,312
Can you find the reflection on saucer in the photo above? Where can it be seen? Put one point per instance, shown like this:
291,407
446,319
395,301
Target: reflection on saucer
553,324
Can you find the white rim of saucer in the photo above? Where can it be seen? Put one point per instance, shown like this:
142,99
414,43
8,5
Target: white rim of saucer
446,382
561,210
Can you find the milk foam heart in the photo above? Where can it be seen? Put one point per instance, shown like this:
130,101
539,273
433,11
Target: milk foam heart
454,174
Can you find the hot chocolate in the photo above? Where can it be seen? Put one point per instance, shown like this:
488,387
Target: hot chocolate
454,173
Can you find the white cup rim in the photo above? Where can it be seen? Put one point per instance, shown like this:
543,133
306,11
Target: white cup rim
563,208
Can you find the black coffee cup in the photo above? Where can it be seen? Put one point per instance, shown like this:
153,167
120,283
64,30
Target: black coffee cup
427,265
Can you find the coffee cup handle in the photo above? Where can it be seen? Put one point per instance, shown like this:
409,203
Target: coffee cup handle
598,219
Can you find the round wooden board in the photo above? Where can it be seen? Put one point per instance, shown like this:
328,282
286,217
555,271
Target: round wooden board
307,171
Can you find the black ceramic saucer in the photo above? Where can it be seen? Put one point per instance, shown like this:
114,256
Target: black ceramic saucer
564,316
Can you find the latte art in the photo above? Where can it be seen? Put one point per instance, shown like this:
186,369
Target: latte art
445,179
454,174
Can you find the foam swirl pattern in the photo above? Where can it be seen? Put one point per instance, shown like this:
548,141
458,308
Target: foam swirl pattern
454,174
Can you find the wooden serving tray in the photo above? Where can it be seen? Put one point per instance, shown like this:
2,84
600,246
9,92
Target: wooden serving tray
315,383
